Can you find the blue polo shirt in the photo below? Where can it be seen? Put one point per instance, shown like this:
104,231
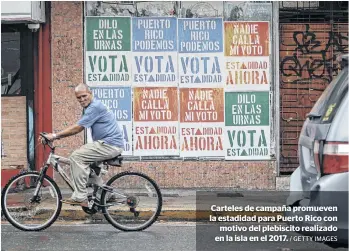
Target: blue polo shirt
103,124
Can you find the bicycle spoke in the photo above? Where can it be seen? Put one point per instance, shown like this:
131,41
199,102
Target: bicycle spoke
136,202
25,211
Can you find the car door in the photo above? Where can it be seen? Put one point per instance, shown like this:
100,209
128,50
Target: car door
313,141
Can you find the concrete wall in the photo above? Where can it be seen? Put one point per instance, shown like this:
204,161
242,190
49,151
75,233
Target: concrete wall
67,70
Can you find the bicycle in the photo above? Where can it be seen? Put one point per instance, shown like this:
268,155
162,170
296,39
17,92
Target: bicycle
120,204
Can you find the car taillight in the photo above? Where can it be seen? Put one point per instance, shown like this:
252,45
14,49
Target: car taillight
335,157
316,155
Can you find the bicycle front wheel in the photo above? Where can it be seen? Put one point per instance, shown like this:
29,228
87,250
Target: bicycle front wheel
25,211
132,201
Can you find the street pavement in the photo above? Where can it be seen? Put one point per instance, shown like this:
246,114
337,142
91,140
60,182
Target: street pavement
184,212
184,204
168,236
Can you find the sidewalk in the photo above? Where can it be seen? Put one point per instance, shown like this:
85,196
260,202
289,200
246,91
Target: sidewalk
189,205
176,206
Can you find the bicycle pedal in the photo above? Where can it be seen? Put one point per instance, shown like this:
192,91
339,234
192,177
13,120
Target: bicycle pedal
90,204
104,172
70,204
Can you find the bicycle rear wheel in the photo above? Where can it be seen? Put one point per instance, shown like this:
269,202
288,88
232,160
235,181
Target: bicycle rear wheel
23,210
135,204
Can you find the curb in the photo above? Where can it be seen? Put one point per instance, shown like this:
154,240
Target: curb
169,215
165,215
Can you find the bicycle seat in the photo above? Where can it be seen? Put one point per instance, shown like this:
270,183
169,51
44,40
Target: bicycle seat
116,161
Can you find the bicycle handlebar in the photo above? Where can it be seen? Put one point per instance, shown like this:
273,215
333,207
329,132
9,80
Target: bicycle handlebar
45,140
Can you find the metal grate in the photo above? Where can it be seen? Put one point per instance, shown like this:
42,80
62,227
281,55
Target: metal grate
308,63
313,12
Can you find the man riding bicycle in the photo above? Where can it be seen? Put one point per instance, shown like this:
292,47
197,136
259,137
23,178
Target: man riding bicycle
107,141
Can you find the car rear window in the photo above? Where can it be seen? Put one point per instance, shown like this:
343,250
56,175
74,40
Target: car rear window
339,127
331,98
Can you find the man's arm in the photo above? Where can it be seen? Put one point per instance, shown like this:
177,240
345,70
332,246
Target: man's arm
71,130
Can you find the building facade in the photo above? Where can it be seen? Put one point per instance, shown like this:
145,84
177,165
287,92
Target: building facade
24,47
208,94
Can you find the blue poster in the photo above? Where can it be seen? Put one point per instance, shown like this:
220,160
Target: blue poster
154,51
200,47
200,35
154,34
118,100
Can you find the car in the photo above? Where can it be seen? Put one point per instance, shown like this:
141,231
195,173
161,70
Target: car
318,192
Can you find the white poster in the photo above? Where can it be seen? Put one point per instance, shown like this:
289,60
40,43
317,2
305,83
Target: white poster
105,68
247,143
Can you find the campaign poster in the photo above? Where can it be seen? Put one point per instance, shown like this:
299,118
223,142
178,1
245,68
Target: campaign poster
118,100
201,122
247,51
108,51
155,126
154,51
247,74
246,39
200,48
247,129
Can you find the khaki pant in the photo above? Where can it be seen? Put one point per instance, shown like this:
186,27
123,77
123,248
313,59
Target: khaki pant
81,159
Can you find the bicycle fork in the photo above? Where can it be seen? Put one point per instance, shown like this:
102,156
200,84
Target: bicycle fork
36,197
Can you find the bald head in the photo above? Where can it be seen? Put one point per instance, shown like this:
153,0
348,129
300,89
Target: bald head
82,87
83,95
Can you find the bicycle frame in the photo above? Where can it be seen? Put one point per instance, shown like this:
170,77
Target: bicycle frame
54,161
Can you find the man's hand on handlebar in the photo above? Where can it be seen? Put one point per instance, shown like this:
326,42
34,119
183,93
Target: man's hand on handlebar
50,137
47,136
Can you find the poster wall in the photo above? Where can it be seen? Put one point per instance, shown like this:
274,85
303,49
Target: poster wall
191,87
200,48
108,51
154,51
155,126
247,85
